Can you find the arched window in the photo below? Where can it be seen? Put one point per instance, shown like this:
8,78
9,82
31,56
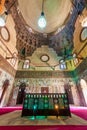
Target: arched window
75,59
62,64
14,59
26,64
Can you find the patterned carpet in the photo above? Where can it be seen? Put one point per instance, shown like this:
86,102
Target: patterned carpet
77,110
14,121
14,118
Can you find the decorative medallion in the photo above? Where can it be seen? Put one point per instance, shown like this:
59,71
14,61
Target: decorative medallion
5,34
44,58
83,34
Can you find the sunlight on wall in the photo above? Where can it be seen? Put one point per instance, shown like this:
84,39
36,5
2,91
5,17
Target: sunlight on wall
84,88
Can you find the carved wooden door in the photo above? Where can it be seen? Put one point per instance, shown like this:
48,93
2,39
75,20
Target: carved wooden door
21,93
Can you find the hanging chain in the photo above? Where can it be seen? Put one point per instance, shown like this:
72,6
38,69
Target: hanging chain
42,6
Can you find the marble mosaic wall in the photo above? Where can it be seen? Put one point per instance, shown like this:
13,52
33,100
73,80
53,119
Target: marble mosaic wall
55,85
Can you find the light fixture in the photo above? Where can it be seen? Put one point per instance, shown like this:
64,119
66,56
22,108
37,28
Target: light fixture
3,16
56,107
42,21
84,22
83,18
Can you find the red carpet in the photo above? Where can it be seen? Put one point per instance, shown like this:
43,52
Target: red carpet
79,111
71,127
4,110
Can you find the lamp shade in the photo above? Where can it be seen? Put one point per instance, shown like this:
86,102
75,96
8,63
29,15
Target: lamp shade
42,21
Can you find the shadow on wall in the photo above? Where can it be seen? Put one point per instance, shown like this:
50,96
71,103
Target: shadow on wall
21,93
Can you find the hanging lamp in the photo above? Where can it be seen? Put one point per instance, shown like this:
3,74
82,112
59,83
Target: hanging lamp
42,21
3,16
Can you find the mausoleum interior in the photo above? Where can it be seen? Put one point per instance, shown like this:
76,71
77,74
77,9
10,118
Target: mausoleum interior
43,58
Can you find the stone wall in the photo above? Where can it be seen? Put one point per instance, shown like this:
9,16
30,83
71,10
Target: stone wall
81,81
7,73
4,76
54,80
54,85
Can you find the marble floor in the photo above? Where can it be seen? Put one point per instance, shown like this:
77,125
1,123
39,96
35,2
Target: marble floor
14,119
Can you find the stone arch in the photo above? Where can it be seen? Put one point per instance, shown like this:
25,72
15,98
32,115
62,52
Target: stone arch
4,88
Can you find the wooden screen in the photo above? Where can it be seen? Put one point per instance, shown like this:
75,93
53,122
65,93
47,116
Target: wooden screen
43,104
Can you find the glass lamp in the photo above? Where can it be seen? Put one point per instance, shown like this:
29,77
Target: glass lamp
3,18
42,21
84,22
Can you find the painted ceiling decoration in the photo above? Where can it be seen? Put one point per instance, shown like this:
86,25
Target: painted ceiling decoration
59,31
54,13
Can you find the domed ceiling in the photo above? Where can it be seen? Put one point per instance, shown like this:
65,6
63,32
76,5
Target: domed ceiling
56,40
56,13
